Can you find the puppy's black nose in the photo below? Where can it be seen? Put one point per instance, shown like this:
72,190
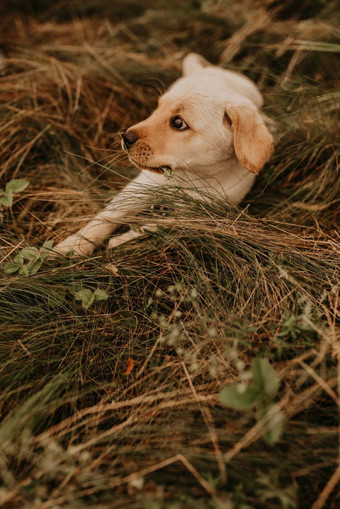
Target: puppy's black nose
129,138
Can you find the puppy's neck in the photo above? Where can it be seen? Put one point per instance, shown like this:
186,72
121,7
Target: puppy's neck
235,179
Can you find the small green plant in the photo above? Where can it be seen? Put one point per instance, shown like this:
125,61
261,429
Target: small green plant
14,186
260,393
87,297
29,260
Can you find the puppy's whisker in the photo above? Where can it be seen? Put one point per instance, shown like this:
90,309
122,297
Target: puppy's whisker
117,157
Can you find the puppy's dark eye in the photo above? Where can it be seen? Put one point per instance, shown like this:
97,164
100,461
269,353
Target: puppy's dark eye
178,123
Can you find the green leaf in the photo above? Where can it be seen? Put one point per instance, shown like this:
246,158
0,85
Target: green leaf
100,294
19,259
7,200
232,396
274,425
83,294
87,303
16,185
24,270
35,265
46,249
265,377
30,253
48,244
74,287
86,296
10,268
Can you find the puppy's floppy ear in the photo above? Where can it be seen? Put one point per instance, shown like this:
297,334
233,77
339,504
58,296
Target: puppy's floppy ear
253,142
193,62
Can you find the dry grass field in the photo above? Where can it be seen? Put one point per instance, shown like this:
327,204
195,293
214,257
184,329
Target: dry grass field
113,399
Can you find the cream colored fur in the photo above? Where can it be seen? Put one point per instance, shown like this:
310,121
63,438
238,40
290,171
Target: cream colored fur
225,145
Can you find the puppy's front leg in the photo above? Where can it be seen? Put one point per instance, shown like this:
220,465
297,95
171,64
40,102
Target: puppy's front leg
129,202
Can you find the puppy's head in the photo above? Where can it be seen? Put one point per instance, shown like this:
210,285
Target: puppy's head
204,119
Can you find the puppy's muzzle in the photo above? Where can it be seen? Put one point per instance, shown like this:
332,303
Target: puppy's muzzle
129,138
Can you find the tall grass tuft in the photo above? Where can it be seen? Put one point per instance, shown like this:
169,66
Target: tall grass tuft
111,367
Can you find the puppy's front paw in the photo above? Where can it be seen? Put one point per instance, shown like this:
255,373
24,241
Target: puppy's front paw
75,244
118,240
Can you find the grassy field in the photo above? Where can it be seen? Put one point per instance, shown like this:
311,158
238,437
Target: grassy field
115,403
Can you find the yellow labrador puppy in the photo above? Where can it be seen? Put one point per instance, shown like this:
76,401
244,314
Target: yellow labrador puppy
207,134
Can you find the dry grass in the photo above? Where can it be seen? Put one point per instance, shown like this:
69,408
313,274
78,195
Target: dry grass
117,405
